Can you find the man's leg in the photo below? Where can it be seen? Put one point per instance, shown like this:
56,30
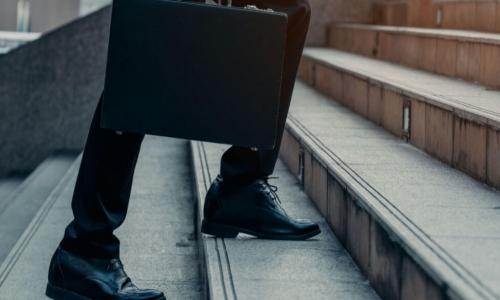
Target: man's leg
240,161
241,199
102,191
87,264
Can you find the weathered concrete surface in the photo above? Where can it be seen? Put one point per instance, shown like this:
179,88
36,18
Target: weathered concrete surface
48,91
450,119
457,216
158,245
319,268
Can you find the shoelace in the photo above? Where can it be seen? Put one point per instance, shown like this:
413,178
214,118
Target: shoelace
272,190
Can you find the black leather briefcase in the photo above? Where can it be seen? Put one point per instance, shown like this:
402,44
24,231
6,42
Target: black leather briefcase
195,71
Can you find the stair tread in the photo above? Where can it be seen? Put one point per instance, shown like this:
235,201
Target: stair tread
7,187
463,35
473,101
17,211
158,247
446,218
261,269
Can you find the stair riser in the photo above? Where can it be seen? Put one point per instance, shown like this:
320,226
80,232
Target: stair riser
395,13
464,14
455,138
469,60
391,270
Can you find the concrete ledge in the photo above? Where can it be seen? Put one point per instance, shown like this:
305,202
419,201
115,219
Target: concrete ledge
468,55
387,232
448,119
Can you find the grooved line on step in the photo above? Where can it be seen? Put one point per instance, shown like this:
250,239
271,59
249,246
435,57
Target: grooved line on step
206,178
453,264
228,264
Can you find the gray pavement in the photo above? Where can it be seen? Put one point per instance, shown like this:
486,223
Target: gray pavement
250,268
159,248
457,216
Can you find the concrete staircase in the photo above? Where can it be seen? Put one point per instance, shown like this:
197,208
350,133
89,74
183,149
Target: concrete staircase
247,268
395,136
392,145
397,223
470,56
416,227
161,247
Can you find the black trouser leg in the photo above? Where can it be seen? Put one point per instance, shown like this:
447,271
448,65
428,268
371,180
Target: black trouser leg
102,191
243,162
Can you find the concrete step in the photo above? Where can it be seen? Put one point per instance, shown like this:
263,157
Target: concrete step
247,268
394,13
468,55
418,228
454,14
158,239
454,121
17,211
7,186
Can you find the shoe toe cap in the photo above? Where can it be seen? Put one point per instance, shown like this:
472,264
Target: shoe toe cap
308,226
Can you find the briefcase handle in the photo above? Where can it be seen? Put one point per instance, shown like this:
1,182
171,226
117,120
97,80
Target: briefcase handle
230,2
219,2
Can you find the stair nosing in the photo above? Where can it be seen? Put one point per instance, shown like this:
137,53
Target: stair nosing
449,34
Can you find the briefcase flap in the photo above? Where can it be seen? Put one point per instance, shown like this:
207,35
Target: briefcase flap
194,71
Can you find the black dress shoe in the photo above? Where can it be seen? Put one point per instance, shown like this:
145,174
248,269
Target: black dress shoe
73,277
251,207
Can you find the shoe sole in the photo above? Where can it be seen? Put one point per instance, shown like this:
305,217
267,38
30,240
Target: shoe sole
227,231
57,293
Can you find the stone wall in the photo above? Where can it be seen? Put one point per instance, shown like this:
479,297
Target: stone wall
48,91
